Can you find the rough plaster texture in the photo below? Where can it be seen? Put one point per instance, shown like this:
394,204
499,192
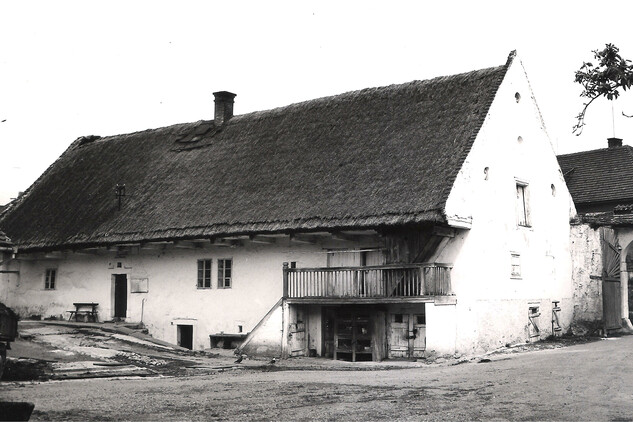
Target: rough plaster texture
586,256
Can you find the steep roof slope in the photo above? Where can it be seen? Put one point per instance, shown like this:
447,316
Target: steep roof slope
600,175
375,157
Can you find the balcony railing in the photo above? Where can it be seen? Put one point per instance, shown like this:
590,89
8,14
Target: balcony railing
381,281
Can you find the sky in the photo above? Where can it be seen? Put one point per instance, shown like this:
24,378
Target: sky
76,68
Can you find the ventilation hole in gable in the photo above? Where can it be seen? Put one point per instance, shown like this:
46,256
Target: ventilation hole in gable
520,139
553,189
486,170
517,96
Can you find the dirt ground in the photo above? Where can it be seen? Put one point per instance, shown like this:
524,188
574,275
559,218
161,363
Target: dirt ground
585,381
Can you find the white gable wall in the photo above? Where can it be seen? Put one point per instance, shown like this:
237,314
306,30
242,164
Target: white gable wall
492,306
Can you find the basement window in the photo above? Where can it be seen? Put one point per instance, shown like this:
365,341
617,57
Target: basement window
50,278
204,273
224,273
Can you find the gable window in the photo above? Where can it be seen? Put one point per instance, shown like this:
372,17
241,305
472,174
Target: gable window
523,204
224,273
204,273
515,265
49,279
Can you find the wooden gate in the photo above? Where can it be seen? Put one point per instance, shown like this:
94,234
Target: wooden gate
611,293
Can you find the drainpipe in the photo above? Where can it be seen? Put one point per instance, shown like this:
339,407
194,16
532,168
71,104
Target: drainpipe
142,309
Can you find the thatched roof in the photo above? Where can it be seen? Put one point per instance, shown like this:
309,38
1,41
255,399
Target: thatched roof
599,176
371,158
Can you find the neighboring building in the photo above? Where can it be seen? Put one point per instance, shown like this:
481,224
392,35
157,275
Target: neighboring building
384,223
601,184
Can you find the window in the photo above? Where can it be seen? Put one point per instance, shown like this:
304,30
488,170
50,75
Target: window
224,273
523,206
204,273
515,265
49,280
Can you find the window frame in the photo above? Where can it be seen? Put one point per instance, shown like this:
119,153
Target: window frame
222,271
515,262
204,273
50,283
523,217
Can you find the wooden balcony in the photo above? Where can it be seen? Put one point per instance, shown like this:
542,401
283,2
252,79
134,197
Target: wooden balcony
386,282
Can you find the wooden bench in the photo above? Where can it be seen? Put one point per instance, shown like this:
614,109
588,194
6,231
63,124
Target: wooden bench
226,341
87,311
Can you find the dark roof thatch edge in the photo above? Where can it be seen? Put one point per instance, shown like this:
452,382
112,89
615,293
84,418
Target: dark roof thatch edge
305,225
474,135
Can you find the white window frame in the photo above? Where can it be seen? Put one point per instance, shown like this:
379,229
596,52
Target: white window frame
50,279
204,273
225,281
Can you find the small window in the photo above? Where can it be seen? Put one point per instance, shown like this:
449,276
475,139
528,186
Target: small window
515,265
224,273
204,273
398,318
420,319
49,280
523,206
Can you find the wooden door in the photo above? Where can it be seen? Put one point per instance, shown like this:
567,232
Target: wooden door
417,344
407,335
611,294
120,295
353,335
398,336
297,333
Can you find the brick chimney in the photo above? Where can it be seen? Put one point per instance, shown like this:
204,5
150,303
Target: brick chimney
614,142
223,107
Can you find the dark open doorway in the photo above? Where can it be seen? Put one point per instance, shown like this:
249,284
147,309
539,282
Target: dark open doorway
185,336
120,296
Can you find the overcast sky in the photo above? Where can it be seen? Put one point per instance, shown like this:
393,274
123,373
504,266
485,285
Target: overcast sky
73,68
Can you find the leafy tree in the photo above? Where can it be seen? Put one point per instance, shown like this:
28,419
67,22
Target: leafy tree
603,80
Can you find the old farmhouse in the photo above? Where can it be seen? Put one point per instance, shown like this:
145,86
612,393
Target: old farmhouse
391,222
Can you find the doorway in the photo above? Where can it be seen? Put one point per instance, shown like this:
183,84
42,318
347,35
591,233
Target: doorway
185,336
407,335
120,296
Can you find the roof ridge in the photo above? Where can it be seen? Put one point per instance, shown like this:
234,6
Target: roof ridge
352,93
629,148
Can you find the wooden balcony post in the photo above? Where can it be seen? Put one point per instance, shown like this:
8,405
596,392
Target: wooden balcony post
285,288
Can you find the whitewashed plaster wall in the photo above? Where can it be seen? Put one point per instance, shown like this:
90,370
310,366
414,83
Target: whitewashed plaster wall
513,145
587,275
173,297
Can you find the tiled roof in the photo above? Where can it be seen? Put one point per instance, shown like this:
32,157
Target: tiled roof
600,175
376,157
